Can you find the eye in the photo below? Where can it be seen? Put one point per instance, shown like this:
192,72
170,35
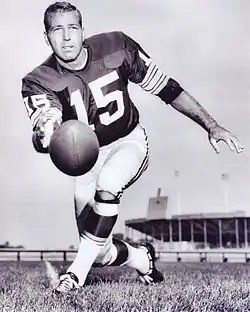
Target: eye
74,27
57,29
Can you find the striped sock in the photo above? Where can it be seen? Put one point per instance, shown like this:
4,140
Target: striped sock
128,255
97,227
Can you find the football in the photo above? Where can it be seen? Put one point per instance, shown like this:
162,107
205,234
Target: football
74,148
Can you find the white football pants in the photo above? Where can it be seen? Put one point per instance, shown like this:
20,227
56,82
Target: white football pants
119,164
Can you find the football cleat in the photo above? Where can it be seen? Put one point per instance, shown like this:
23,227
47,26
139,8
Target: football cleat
153,275
68,282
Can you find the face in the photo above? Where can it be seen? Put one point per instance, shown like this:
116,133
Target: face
65,35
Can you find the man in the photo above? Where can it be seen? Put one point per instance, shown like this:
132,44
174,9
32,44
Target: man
86,79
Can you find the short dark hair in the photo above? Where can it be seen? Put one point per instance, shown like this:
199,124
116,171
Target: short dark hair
59,7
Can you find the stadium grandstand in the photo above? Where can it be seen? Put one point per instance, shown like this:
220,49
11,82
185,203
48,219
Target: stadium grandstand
205,233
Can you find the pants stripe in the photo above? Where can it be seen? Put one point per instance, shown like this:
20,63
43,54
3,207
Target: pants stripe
142,168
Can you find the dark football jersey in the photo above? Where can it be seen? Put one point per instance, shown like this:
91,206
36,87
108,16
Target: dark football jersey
98,94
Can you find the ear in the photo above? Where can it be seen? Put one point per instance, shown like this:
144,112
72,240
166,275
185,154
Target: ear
46,38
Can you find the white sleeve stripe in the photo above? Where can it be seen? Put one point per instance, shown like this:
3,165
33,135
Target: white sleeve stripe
149,80
148,76
156,82
152,67
161,85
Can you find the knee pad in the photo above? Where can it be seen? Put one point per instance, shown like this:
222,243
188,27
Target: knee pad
100,220
106,197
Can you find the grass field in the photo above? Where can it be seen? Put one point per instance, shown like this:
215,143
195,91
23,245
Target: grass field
187,287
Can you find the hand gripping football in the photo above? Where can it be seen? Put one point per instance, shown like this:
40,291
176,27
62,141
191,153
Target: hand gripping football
74,148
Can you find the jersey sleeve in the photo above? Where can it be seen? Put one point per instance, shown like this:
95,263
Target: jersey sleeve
144,72
38,100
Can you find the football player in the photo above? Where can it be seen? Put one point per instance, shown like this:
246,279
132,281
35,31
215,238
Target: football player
87,79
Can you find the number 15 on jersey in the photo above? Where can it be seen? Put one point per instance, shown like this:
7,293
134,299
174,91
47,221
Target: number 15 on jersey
101,100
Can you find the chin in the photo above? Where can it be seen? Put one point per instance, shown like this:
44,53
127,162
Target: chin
68,59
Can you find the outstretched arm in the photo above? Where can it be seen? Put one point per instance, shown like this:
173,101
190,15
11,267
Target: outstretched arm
44,110
144,72
188,106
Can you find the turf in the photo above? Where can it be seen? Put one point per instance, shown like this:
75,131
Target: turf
187,287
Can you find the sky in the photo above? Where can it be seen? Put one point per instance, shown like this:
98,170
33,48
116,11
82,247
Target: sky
204,45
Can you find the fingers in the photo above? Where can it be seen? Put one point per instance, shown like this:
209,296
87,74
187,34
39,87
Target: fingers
230,144
236,144
48,131
214,144
48,122
231,141
46,141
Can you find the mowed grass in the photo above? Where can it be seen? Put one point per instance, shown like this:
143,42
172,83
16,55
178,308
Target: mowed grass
187,287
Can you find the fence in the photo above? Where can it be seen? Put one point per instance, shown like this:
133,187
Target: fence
242,256
8,254
239,256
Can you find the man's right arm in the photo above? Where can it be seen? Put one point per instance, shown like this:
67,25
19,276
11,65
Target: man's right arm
44,110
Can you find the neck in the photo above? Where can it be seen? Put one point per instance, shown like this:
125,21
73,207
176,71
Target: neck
78,63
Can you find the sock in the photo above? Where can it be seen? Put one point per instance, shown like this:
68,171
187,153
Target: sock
86,254
137,259
124,254
97,227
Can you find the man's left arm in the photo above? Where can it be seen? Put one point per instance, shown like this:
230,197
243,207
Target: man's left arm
144,72
188,106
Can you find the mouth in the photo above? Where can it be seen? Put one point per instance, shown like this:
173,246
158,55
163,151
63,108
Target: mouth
69,47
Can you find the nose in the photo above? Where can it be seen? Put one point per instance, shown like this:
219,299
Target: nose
66,36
